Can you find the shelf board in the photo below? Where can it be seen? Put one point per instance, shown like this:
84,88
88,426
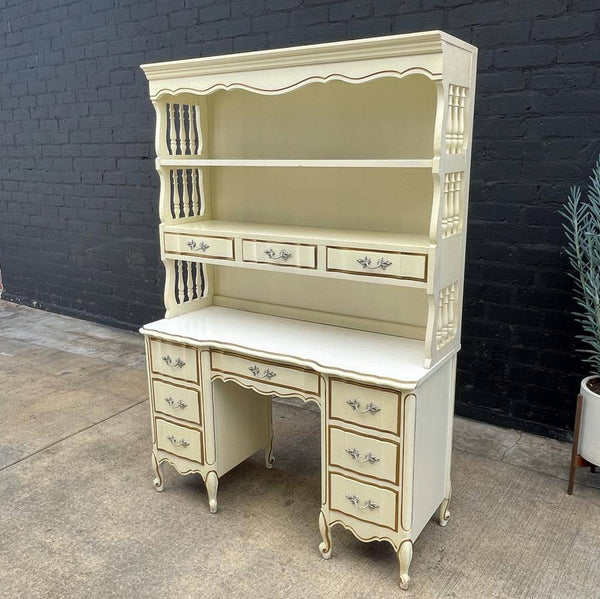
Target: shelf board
295,234
188,162
373,357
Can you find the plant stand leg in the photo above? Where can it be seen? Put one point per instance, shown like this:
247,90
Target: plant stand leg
575,457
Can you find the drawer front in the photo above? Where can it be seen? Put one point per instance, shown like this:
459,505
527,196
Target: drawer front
279,254
175,400
374,263
259,371
364,454
175,361
179,440
202,246
363,501
369,407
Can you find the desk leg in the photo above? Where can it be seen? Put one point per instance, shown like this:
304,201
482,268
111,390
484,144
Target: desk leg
212,484
443,513
158,481
269,458
405,554
325,546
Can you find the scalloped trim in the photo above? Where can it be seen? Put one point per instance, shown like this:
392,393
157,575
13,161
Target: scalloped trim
366,540
298,84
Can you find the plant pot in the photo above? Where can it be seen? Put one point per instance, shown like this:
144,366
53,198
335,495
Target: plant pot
589,432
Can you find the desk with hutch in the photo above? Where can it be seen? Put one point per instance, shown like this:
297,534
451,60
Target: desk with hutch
313,204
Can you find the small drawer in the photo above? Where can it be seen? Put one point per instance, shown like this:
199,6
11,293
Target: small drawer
370,503
364,454
410,266
202,246
298,255
175,361
179,440
367,406
271,373
175,400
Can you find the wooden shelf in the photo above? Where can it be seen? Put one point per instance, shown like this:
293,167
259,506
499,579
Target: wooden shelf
293,234
189,162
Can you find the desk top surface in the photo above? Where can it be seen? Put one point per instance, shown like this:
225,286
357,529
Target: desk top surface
369,357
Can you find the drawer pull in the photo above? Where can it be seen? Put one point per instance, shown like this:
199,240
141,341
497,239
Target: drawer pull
381,263
197,247
267,374
283,254
179,363
179,404
369,504
369,457
176,443
370,408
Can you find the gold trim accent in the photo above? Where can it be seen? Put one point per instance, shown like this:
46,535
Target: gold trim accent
395,491
404,451
167,459
376,274
366,540
287,243
395,481
375,388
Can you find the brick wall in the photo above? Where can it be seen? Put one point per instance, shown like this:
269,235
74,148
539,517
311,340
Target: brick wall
78,219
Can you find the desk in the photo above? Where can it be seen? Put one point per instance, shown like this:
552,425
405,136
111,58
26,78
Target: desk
386,424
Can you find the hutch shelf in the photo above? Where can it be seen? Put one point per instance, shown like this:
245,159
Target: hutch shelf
313,203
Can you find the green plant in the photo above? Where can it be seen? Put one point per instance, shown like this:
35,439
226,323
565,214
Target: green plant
582,228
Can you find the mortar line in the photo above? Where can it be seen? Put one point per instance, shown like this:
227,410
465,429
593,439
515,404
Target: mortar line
71,435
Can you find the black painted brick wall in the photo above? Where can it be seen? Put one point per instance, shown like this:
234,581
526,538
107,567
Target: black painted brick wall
78,219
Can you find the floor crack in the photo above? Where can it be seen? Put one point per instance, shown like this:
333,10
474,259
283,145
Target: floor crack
512,446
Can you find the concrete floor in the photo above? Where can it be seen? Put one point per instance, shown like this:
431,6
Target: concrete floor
79,516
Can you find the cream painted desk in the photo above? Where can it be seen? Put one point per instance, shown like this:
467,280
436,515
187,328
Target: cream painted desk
313,205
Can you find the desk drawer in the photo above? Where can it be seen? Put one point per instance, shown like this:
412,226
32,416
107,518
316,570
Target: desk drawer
262,371
202,246
279,254
369,407
175,400
364,454
375,263
366,502
173,360
179,440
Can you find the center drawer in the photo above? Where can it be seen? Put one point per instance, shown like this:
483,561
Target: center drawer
202,246
174,360
262,371
367,502
298,255
364,454
179,440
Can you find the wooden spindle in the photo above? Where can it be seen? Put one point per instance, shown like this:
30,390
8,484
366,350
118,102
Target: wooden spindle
195,196
182,129
199,139
172,130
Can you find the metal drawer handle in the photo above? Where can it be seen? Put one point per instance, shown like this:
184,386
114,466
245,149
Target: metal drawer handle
267,374
369,503
369,457
283,254
179,404
179,363
176,443
370,408
381,263
197,247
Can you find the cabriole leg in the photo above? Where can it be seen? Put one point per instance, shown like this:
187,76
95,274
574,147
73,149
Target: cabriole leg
325,546
443,513
158,481
212,484
405,554
269,458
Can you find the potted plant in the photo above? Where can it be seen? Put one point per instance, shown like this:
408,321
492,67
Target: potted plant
582,228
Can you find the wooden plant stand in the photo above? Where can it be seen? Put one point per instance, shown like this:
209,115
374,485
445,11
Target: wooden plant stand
577,461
